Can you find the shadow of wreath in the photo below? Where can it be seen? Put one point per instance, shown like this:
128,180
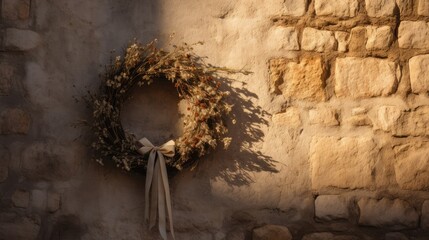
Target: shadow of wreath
237,163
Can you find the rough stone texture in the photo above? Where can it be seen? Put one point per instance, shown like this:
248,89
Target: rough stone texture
359,111
42,161
304,80
14,121
345,8
19,229
21,40
395,236
38,199
380,8
6,78
76,38
331,207
357,40
413,34
423,7
299,81
295,7
379,38
413,123
236,234
395,214
20,198
318,40
285,38
364,77
329,167
323,116
359,121
387,117
419,73
318,236
269,232
424,222
328,236
412,172
342,40
405,7
15,9
4,164
53,202
290,118
277,68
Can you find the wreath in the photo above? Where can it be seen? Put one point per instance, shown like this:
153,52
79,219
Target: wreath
195,81
204,127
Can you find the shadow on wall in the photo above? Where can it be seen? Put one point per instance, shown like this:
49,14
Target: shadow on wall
243,158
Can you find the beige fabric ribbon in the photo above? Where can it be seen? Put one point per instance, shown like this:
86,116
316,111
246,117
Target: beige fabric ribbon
157,191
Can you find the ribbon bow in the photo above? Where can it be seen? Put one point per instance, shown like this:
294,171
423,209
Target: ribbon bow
157,188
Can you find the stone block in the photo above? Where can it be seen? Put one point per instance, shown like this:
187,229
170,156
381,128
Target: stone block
413,123
235,234
379,38
4,164
331,207
295,8
342,40
277,69
359,121
21,40
387,117
283,38
380,8
423,8
323,116
328,236
44,161
344,8
304,80
413,34
412,171
20,198
38,199
6,78
269,232
290,118
357,40
319,236
19,229
359,111
318,40
53,202
395,236
364,77
424,223
15,9
405,7
14,121
330,167
419,73
385,213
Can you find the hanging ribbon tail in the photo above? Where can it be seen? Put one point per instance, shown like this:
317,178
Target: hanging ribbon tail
164,177
161,204
157,190
154,198
149,176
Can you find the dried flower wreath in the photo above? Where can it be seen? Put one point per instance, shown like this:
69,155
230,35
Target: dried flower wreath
196,82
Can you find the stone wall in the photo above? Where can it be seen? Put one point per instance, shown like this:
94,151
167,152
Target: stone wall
331,140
